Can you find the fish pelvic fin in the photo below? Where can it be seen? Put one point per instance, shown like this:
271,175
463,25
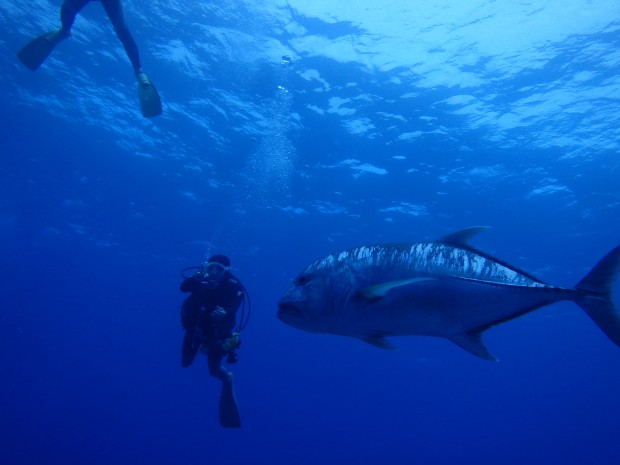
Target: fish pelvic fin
378,340
595,295
471,341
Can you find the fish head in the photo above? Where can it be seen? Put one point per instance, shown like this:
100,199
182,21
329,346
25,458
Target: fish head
313,300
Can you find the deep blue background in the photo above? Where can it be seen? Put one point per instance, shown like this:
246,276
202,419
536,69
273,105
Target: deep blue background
100,210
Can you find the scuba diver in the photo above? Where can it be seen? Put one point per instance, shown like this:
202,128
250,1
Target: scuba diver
35,52
208,316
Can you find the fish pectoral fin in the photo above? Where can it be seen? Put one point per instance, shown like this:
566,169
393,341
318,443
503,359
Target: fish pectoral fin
472,342
378,291
379,341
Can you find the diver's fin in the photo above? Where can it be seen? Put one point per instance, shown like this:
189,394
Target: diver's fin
150,102
229,412
34,53
471,341
596,295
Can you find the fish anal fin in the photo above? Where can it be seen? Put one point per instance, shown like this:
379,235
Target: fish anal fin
471,341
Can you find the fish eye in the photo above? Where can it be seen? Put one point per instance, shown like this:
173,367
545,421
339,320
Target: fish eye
302,280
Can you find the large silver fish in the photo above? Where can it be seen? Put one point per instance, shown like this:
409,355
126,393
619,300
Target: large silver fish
444,288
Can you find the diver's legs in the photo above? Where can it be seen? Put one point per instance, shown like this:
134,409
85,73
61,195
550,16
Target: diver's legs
189,349
35,52
228,410
214,362
114,10
68,12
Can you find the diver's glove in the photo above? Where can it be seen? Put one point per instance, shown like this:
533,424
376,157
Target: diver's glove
218,314
231,357
231,343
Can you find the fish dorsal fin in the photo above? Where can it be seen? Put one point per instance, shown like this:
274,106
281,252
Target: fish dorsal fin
461,238
378,340
378,291
471,341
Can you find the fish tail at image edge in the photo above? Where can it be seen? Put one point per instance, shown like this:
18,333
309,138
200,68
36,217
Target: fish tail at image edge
595,295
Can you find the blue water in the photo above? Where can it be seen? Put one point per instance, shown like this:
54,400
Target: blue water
388,123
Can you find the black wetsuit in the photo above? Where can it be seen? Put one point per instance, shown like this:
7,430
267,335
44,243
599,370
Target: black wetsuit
114,9
201,329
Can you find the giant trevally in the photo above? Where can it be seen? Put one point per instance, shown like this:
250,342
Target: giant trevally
444,288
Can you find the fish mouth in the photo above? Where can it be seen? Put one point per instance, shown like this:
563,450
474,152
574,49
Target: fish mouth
288,309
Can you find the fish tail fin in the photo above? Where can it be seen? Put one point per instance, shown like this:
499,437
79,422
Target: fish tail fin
595,295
